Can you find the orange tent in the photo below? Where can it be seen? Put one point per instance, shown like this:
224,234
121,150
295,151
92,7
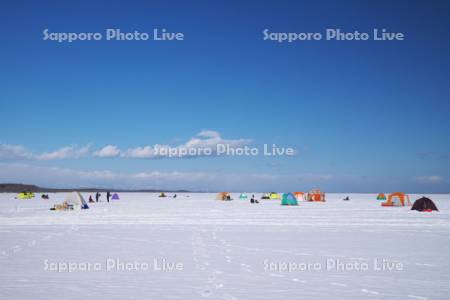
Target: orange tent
223,196
397,199
299,195
316,195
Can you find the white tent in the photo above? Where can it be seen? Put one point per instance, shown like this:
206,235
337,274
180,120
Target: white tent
75,200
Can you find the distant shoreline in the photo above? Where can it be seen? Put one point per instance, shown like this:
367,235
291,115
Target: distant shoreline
19,187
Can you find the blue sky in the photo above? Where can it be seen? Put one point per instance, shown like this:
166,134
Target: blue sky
363,116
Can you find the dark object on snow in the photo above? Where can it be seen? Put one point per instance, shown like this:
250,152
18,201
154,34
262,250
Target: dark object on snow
424,204
346,198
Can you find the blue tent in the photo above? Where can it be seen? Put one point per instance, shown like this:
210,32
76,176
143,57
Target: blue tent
289,199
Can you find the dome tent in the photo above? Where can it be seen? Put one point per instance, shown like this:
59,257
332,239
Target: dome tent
424,204
243,196
73,201
381,196
316,195
115,196
224,196
289,199
76,200
265,196
274,195
299,195
25,195
397,199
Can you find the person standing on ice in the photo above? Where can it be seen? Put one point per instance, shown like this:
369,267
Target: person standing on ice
108,195
97,196
252,200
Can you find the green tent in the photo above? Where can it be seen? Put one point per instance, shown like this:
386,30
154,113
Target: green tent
289,199
243,196
381,196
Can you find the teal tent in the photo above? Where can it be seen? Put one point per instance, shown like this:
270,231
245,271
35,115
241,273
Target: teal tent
243,196
289,199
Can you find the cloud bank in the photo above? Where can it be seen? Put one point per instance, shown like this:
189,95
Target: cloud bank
152,179
204,140
19,152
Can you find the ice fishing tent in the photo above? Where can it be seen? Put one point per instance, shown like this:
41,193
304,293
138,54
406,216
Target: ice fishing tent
424,204
397,199
25,195
224,196
243,196
289,199
265,196
381,196
162,195
316,195
115,196
299,195
274,195
73,201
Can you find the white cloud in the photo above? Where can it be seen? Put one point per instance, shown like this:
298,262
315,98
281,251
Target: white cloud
65,152
108,151
208,134
140,152
18,152
315,177
429,179
13,152
206,139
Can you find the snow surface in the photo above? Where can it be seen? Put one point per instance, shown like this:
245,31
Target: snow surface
226,250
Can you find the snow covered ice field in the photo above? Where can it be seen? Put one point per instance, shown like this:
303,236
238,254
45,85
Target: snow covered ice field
224,250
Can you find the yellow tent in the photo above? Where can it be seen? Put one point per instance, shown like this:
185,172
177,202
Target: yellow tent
274,196
25,195
224,196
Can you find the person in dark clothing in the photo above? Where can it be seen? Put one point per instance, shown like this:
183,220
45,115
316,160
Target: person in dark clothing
90,199
108,195
252,200
97,196
175,195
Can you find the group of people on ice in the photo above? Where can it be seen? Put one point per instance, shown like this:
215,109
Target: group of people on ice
98,196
